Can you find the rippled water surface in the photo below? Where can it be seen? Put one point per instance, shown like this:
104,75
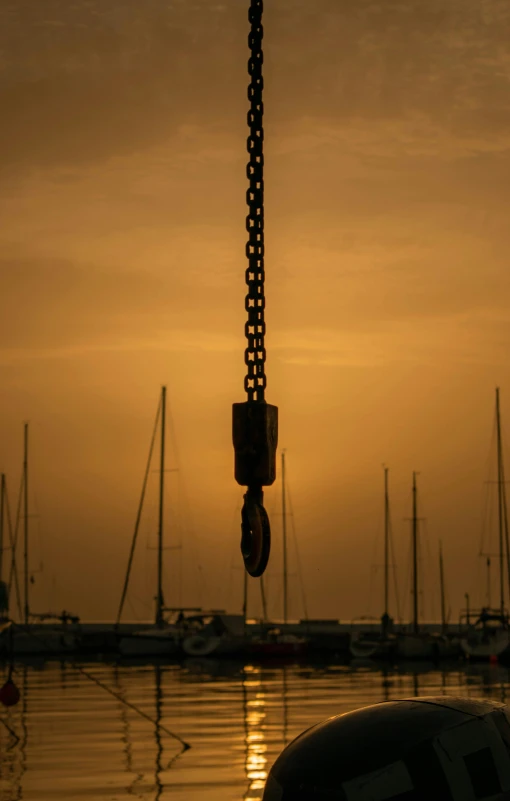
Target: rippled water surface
78,741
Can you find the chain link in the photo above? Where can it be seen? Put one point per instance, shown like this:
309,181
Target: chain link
255,328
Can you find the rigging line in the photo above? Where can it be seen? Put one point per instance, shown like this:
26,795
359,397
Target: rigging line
13,550
407,592
486,489
395,580
393,562
185,745
186,512
368,607
502,489
298,556
138,516
505,527
11,732
16,532
233,558
95,680
426,571
133,612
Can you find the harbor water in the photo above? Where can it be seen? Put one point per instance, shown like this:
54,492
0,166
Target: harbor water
80,738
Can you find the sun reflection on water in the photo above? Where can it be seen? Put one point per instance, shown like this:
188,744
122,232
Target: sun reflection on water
256,747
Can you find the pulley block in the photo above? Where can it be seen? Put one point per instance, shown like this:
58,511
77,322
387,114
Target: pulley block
255,533
255,438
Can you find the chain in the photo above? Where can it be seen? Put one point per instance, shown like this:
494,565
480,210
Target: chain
255,328
255,422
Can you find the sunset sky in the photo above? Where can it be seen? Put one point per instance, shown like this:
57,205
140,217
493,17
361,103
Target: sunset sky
122,207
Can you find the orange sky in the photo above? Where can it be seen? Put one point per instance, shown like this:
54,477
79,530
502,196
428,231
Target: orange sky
122,267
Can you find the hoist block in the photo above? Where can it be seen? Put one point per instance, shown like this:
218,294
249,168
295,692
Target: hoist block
255,437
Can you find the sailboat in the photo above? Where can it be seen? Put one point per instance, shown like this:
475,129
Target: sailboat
42,637
489,636
273,642
379,644
420,644
162,637
4,590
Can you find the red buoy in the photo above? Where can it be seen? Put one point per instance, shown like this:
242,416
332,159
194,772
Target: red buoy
9,693
493,660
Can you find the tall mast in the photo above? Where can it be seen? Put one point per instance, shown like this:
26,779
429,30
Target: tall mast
245,595
415,559
263,597
500,508
160,602
441,584
386,543
284,529
489,582
26,614
2,507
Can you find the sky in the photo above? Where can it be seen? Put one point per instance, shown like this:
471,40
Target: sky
122,200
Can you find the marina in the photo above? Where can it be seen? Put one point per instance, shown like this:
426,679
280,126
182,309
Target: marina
182,632
254,265
237,716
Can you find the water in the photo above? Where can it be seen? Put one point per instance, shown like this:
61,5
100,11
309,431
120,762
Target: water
77,741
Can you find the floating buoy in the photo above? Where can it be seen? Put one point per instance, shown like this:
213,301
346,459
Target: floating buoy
493,660
417,749
9,693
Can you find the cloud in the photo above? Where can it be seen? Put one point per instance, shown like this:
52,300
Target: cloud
451,339
84,82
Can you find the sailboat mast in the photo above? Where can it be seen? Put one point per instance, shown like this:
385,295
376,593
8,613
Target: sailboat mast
2,508
386,543
500,507
415,558
26,614
441,584
263,598
245,595
489,582
160,602
284,530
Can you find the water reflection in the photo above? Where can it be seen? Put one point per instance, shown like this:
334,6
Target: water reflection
82,743
157,733
254,715
126,737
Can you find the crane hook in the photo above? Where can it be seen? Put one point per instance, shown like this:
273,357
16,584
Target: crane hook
255,533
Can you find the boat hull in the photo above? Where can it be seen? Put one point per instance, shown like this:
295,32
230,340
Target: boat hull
372,648
35,639
277,650
478,648
149,643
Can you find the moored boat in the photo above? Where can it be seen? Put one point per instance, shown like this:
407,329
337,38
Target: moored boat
276,644
489,636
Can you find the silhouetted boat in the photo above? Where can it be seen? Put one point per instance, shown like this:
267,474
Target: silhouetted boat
489,636
379,644
277,644
216,633
417,644
164,636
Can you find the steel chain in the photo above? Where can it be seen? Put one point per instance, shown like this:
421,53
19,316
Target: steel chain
255,328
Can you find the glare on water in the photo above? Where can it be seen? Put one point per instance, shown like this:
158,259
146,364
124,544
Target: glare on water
78,741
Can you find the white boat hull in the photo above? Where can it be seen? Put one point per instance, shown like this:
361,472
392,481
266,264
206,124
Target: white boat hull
479,646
